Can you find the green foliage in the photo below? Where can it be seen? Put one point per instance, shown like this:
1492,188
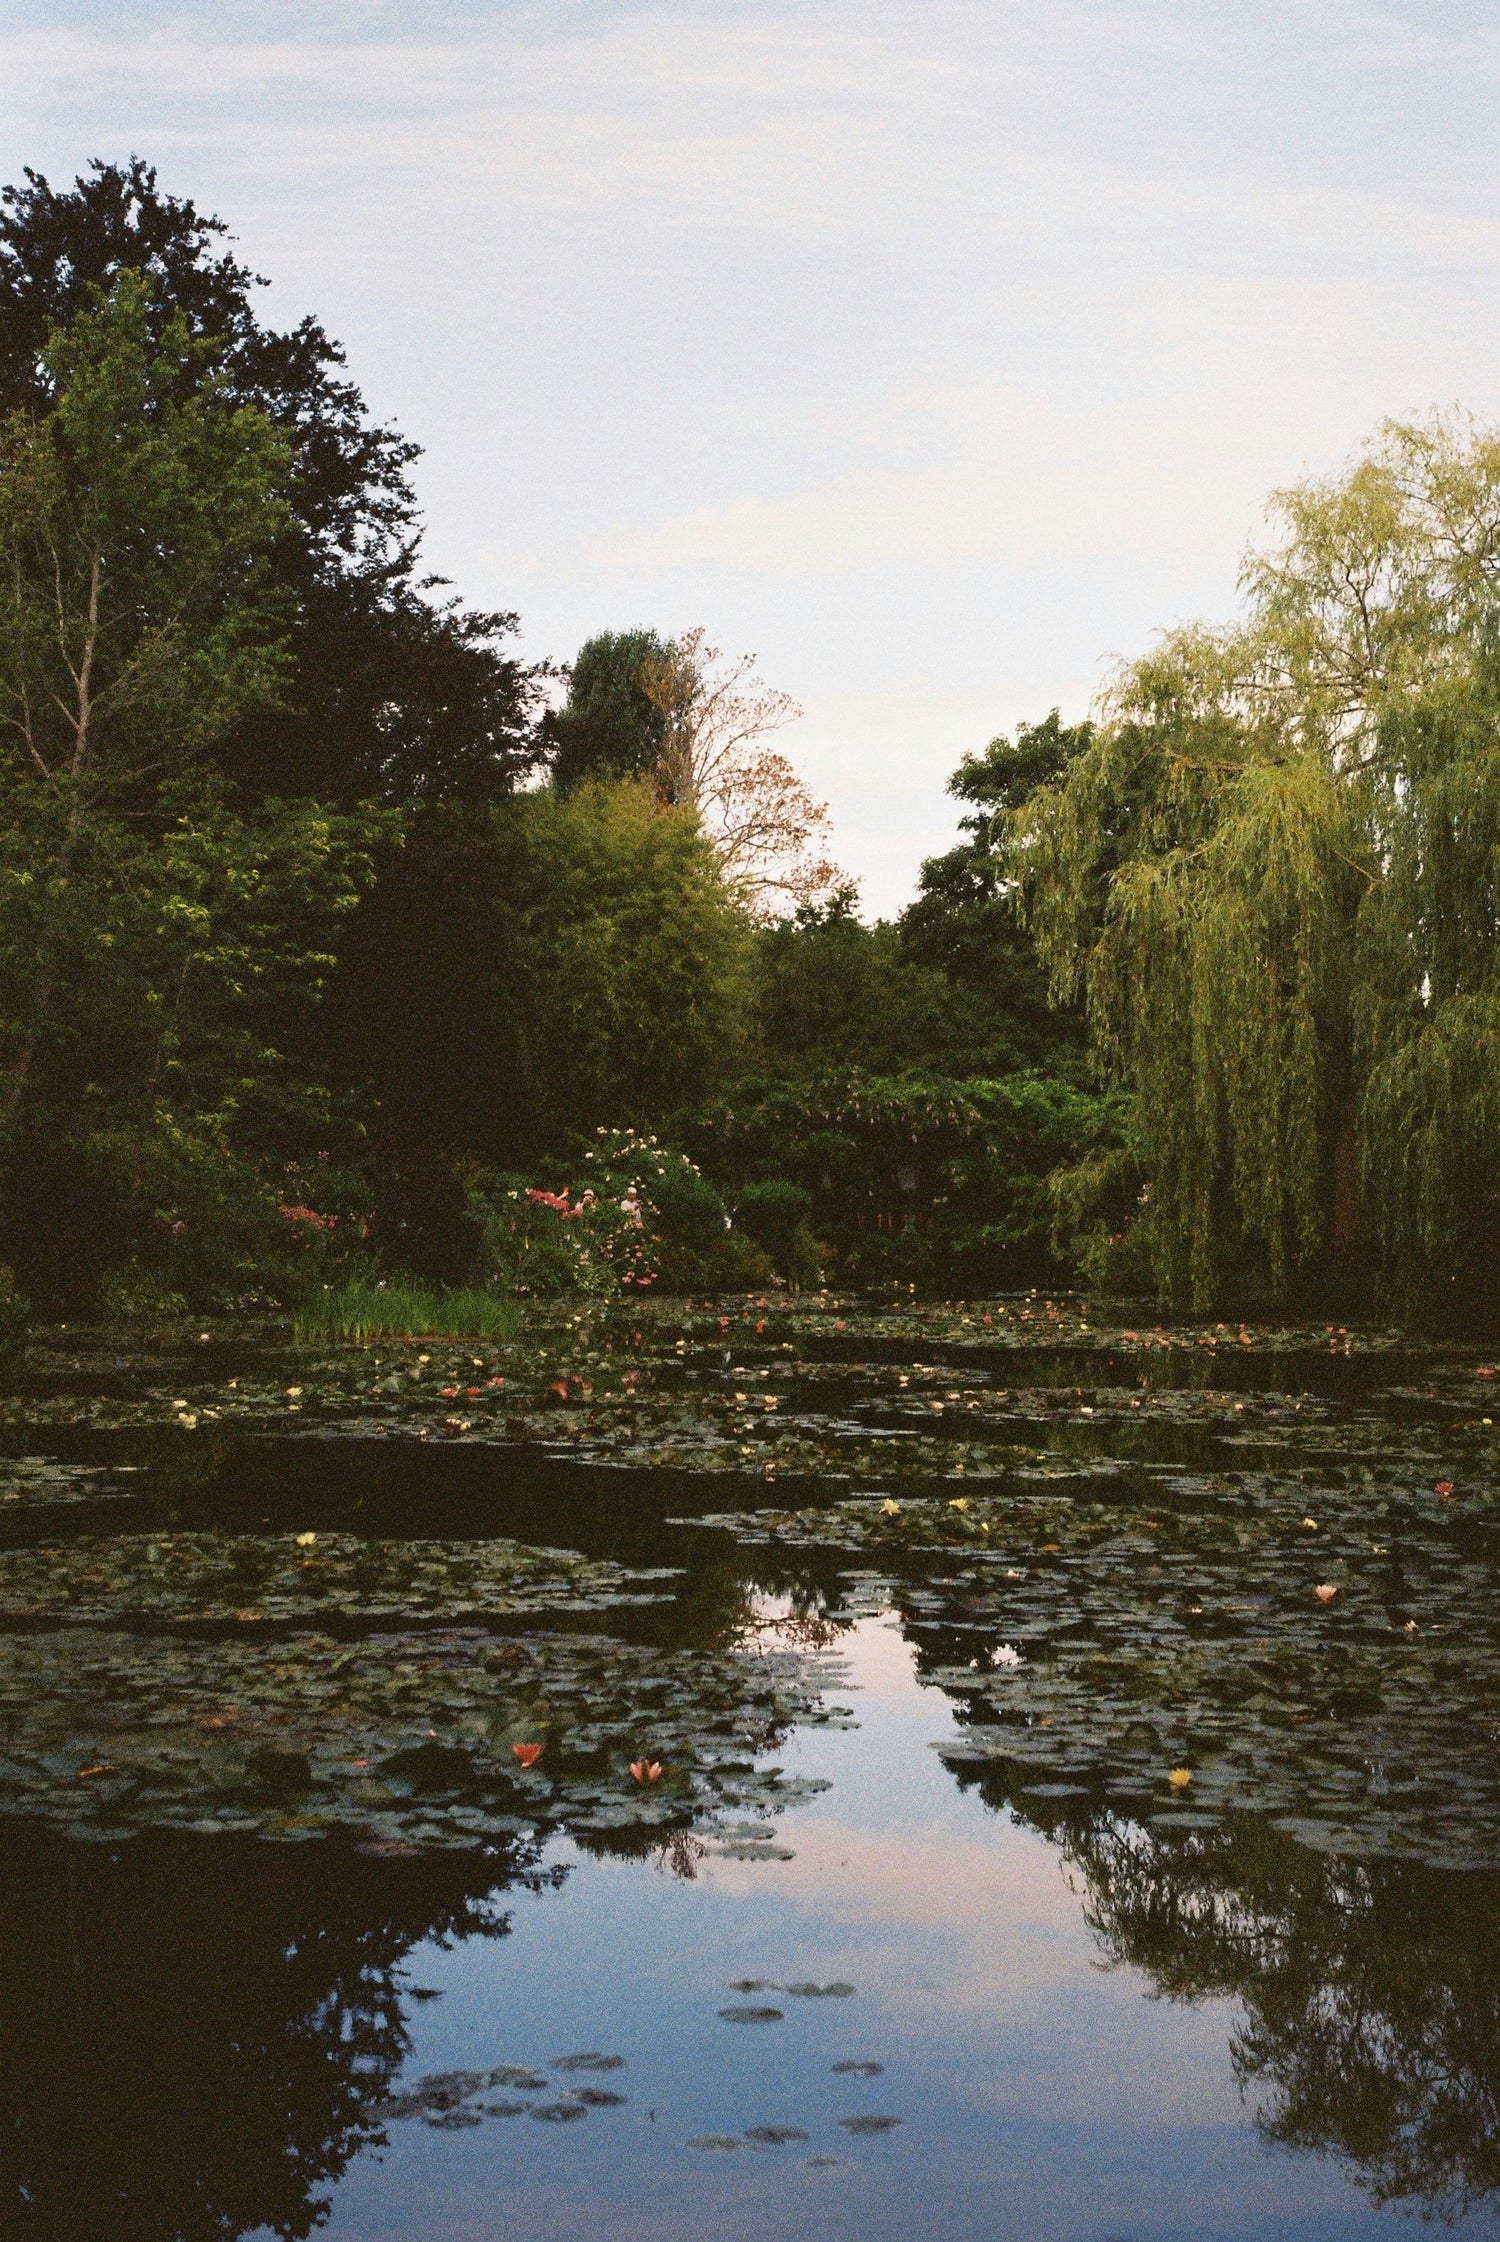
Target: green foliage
549,1245
1273,876
635,1216
914,1179
518,980
257,1035
133,1294
159,948
952,988
965,928
638,1215
634,955
777,1214
160,1004
15,1323
609,726
135,619
364,1308
386,694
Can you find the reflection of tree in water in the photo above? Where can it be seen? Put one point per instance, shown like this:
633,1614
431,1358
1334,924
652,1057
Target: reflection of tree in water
1371,1990
189,2031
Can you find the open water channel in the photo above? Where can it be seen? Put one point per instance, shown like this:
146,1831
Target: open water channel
751,1771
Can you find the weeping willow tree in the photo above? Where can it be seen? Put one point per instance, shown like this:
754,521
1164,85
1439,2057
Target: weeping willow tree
1272,875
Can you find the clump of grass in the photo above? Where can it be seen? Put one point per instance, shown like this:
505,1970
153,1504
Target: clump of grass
401,1308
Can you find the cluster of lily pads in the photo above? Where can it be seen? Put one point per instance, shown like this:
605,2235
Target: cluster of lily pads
190,1578
451,2101
1205,1569
436,1737
1215,1646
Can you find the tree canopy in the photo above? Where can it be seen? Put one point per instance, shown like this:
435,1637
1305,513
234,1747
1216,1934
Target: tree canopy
158,940
390,692
1272,875
609,726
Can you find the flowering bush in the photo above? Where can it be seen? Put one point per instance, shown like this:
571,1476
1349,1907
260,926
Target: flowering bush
641,1216
544,1244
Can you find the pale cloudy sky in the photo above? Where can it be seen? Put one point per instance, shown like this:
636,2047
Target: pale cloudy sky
936,350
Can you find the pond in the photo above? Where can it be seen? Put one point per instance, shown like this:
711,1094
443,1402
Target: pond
751,1769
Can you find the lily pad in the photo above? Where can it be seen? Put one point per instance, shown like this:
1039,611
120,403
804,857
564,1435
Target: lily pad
398,1736
222,1579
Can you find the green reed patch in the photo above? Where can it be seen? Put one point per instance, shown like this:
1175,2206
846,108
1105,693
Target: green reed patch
402,1309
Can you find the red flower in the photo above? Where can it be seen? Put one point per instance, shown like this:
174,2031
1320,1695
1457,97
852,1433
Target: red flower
308,1216
646,1770
1443,1488
526,1754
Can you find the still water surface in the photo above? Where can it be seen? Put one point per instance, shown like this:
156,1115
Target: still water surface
1037,2010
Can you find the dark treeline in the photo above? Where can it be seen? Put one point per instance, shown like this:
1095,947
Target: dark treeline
332,925
338,939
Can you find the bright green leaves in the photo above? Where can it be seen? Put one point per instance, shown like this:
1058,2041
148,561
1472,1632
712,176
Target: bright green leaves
1273,875
135,520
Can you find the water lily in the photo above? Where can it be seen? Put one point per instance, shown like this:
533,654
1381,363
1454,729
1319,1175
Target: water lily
646,1770
526,1755
1325,1592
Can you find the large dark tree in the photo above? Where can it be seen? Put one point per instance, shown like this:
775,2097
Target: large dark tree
964,918
391,691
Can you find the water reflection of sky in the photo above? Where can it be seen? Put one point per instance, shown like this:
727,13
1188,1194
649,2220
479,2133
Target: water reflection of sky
1041,2095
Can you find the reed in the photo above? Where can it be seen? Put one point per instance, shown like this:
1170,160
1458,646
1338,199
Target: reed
401,1308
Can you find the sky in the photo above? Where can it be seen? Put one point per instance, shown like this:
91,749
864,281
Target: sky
939,352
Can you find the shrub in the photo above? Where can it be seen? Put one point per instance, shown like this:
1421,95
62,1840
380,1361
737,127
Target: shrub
640,1215
777,1216
135,1294
544,1245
